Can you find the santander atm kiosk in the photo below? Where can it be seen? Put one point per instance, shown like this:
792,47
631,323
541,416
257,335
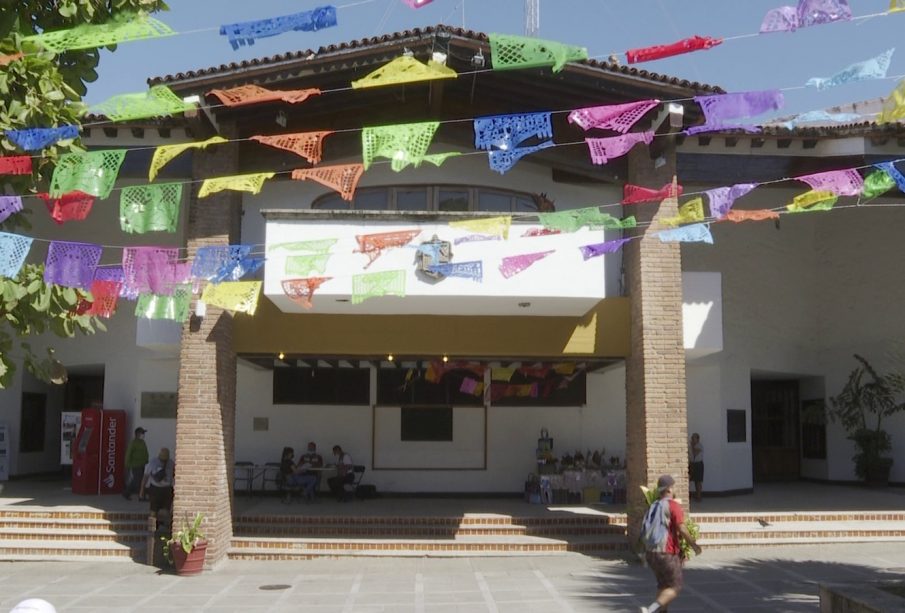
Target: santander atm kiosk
99,452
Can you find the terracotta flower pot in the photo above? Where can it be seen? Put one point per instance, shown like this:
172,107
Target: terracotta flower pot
191,563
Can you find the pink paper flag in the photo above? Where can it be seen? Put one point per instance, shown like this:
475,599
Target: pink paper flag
605,149
840,182
618,117
515,264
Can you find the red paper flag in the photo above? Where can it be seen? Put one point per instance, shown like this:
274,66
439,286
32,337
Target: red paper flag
301,291
71,206
686,45
105,294
15,165
634,194
253,94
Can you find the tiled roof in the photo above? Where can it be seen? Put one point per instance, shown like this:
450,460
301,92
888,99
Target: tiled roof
408,35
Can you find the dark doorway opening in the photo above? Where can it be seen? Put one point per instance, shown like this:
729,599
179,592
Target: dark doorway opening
775,430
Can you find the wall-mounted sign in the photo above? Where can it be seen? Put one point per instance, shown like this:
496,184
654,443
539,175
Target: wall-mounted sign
158,404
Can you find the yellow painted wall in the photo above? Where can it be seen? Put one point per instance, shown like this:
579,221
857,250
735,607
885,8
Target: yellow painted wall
271,331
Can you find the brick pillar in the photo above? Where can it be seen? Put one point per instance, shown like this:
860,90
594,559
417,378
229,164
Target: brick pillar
656,420
206,415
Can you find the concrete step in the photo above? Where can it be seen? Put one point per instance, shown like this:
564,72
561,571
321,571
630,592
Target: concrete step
72,524
325,530
54,534
824,532
23,549
796,516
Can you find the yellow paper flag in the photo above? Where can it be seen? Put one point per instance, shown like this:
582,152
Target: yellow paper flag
240,183
405,69
165,153
690,212
896,5
241,296
501,374
812,201
894,105
495,226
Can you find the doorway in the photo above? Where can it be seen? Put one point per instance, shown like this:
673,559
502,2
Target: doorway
775,430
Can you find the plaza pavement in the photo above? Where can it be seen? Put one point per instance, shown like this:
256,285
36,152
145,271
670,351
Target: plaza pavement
764,579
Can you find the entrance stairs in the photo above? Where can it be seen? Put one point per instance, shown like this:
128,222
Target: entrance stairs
84,535
88,534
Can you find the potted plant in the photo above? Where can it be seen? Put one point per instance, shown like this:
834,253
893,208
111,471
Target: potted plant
866,399
186,549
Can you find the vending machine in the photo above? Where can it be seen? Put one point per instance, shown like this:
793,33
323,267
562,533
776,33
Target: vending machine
99,452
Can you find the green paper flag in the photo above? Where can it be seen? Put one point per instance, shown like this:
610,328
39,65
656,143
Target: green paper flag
158,101
876,184
571,221
123,28
150,208
508,52
404,144
371,285
319,246
304,265
175,307
93,172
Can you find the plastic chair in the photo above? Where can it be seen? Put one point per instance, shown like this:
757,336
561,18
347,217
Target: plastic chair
271,474
350,488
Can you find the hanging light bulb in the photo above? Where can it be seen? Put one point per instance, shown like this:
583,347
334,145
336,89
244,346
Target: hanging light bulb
390,357
282,355
446,358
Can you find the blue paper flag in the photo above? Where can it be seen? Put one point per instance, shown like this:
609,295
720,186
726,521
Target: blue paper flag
245,33
502,161
34,139
890,169
821,116
874,68
509,131
224,263
695,233
236,270
470,270
13,250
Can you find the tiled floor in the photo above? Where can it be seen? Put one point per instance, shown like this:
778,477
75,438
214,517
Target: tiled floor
782,579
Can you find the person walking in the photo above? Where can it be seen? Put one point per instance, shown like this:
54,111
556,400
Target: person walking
136,459
661,529
696,465
158,482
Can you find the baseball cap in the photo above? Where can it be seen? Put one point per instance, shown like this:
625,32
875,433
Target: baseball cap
664,482
164,453
140,430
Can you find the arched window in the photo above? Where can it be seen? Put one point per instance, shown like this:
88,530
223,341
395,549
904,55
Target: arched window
431,198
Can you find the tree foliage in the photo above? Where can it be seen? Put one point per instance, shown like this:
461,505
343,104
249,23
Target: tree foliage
43,89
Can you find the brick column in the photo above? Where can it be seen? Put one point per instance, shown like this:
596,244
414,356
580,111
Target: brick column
656,420
206,415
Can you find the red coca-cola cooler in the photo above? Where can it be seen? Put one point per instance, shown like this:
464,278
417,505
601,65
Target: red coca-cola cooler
99,453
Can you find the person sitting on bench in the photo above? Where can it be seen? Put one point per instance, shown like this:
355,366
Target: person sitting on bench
344,474
293,477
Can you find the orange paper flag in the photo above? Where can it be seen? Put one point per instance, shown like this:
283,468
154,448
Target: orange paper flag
737,215
343,178
301,291
6,59
373,244
309,145
253,94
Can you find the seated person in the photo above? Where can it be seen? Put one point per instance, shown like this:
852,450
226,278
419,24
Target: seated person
292,476
344,474
310,460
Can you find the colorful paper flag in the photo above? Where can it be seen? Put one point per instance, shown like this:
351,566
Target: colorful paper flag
605,149
373,245
893,106
738,215
635,194
876,184
165,153
71,264
125,27
405,69
301,291
697,233
502,161
617,117
72,206
719,108
374,284
812,201
403,144
512,265
9,205
255,94
304,265
13,251
174,307
237,296
341,178
893,172
35,139
105,295
593,251
316,246
158,101
308,145
690,212
245,33
241,183
15,165
469,270
721,199
493,226
686,45
839,182
150,208
509,52
874,68
91,172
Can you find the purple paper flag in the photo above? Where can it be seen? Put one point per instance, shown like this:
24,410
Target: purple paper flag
818,12
695,233
71,264
151,270
618,117
736,105
417,4
722,198
511,266
781,19
839,182
593,251
605,149
9,205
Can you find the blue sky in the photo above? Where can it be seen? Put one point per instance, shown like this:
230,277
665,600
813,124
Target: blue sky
780,60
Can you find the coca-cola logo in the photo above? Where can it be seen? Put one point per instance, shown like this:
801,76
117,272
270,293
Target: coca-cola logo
110,450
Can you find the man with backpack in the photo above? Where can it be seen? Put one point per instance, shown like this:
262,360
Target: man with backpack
661,530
